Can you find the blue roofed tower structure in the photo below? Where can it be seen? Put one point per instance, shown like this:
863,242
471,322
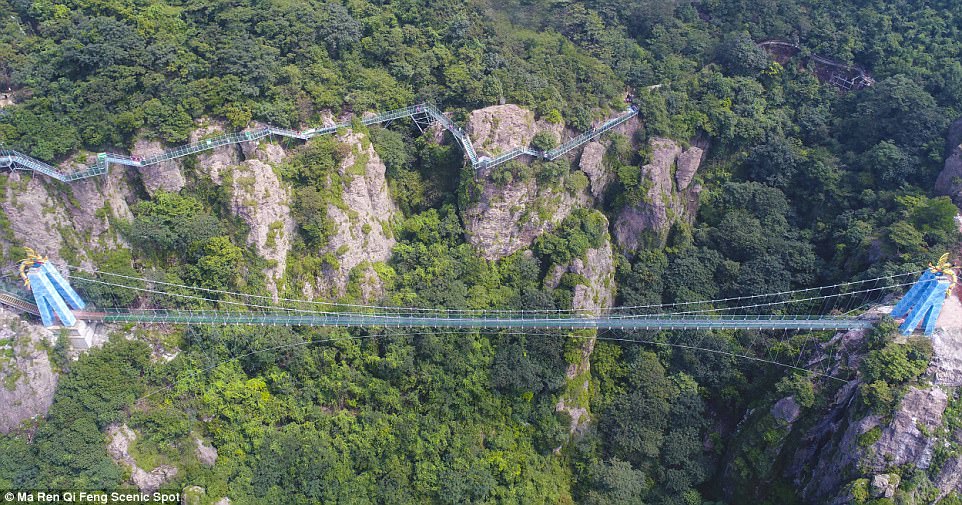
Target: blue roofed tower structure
920,307
55,298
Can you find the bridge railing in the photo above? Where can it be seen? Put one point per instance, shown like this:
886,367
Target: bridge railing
590,134
20,161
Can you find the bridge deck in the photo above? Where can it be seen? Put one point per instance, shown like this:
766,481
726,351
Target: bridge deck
653,322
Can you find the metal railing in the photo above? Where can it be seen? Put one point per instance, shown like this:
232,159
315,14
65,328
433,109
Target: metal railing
20,161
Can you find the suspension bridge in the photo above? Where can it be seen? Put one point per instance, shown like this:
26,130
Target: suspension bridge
836,307
423,114
832,307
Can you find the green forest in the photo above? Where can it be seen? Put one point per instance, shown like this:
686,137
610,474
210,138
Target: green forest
804,185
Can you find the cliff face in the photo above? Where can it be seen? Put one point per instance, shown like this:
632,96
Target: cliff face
594,298
670,195
363,223
845,453
64,221
505,218
949,182
261,199
27,380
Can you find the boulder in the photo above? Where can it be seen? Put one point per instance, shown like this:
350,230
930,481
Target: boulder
206,454
120,439
885,484
786,409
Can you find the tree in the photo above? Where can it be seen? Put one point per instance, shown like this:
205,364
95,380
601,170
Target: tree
898,110
890,164
775,162
615,482
740,55
219,265
171,223
544,140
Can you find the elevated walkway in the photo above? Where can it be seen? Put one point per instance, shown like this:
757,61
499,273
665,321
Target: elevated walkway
16,160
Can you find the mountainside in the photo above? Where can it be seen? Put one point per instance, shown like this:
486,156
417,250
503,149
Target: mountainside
746,181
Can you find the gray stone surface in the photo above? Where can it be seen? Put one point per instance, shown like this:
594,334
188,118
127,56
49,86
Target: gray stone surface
119,449
787,409
27,380
663,204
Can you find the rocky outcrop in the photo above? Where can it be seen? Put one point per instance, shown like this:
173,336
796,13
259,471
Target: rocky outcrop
215,162
500,128
506,218
667,199
949,182
166,176
597,267
206,454
120,439
786,410
844,448
262,201
27,380
592,164
56,220
362,219
593,298
908,437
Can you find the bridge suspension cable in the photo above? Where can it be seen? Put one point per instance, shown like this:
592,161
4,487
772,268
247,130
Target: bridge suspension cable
274,314
614,310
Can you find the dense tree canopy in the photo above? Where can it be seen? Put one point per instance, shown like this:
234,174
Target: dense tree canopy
803,184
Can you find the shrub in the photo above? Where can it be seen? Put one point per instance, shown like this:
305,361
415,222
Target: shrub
544,140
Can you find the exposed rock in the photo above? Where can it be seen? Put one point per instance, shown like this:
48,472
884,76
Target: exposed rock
688,162
216,160
508,218
663,204
206,454
598,268
842,447
505,219
363,235
164,176
500,128
262,201
268,152
884,485
786,409
120,439
820,464
27,381
950,179
946,364
592,164
50,217
903,440
592,299
193,495
35,218
950,478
